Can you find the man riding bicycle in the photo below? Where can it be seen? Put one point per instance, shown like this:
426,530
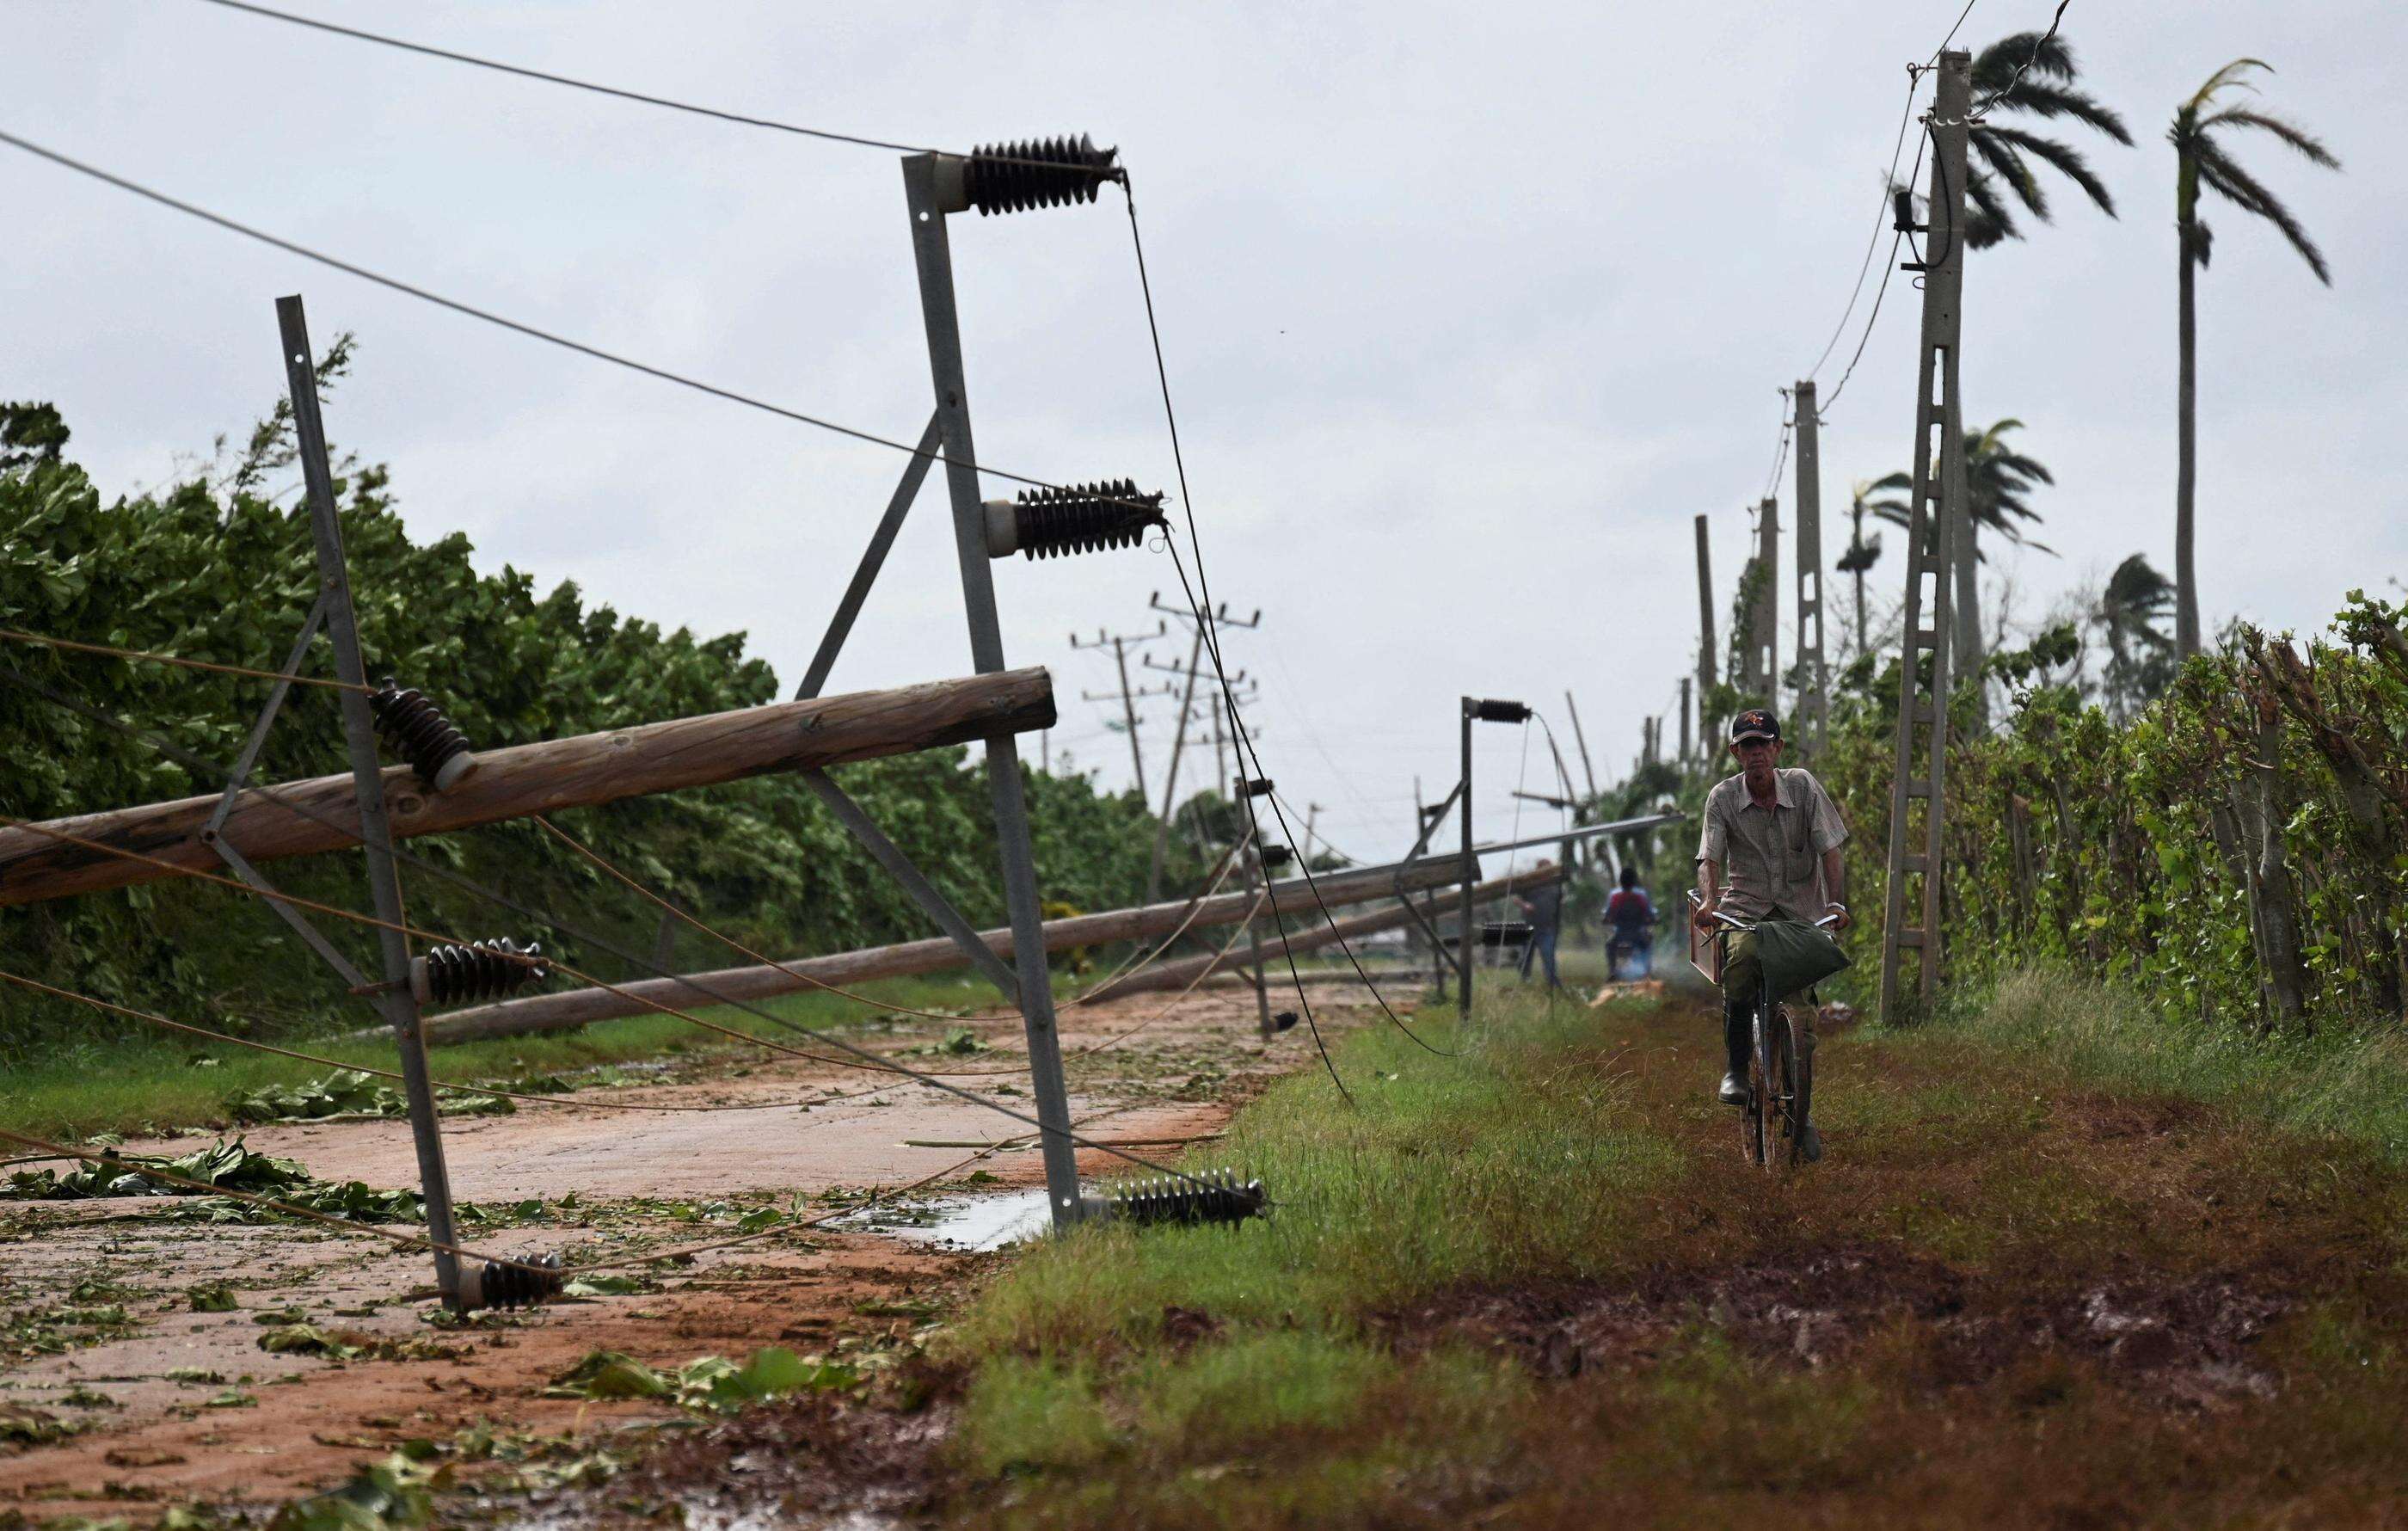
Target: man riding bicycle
1768,849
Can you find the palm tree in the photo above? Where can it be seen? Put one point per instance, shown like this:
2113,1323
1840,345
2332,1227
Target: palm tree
2202,161
2030,73
2138,664
1999,482
1863,554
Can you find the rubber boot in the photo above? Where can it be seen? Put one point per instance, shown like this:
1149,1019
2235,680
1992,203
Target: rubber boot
1739,1042
1739,1033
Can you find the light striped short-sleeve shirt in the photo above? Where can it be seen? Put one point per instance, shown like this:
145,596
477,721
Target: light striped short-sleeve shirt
1771,859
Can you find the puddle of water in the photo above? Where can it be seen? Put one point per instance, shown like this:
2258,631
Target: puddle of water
961,1223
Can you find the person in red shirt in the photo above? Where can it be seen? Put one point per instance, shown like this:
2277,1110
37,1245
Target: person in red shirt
1631,915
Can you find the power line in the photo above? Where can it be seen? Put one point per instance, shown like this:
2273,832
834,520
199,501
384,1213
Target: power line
12,635
1983,109
1889,268
1781,448
1952,33
615,92
503,322
167,1024
1890,178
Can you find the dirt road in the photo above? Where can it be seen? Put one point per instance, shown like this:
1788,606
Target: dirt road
167,1404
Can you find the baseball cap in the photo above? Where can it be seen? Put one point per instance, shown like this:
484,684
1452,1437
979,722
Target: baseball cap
1755,723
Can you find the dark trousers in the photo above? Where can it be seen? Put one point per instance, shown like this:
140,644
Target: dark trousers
1542,942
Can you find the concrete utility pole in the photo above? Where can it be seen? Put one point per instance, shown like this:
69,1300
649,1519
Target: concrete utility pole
937,954
1221,617
322,814
1685,718
1475,710
1705,617
1920,776
1130,721
397,1003
1582,739
1764,625
1118,643
1814,695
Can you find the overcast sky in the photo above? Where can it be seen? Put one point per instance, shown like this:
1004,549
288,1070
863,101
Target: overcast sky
1468,311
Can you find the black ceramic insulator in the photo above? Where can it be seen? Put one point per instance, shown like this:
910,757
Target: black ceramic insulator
508,1286
1259,787
1491,711
1001,178
459,975
421,735
1216,1197
1085,518
1278,856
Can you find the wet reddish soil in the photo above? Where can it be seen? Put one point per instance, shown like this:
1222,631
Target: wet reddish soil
233,1422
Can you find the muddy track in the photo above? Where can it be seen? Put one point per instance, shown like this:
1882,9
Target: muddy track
171,1405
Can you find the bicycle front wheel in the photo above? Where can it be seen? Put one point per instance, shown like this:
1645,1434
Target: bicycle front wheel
1786,1096
1753,1121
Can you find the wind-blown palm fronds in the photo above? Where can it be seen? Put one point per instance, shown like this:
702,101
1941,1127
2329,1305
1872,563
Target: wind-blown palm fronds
2204,162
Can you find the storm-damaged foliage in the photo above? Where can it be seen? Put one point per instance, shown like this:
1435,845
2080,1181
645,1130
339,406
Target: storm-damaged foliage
2238,850
220,567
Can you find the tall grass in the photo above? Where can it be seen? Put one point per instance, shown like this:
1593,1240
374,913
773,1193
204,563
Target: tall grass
2343,1084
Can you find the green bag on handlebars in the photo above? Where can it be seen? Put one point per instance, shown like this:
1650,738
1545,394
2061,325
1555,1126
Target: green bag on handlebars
1796,955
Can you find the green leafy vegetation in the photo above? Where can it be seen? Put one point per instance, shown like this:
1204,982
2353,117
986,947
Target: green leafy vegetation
708,1384
2233,853
347,1093
218,567
226,1166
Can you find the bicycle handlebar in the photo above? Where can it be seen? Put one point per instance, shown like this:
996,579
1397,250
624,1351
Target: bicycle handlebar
1732,922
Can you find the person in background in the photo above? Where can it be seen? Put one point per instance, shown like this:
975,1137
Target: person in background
1630,914
1544,905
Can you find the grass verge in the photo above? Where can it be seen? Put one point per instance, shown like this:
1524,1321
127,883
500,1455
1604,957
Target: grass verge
1536,1286
2345,1084
126,1080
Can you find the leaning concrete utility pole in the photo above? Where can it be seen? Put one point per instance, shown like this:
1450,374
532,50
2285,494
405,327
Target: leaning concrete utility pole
1764,612
1918,785
1582,739
935,186
755,981
1118,643
397,1000
1813,680
1705,617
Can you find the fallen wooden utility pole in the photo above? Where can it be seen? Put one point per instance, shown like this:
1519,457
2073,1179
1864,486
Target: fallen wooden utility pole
582,1007
1179,975
314,817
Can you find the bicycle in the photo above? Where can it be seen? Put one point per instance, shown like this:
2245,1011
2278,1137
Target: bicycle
1778,1082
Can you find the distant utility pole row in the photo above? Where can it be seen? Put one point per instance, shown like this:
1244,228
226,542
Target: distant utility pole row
1118,643
1184,682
